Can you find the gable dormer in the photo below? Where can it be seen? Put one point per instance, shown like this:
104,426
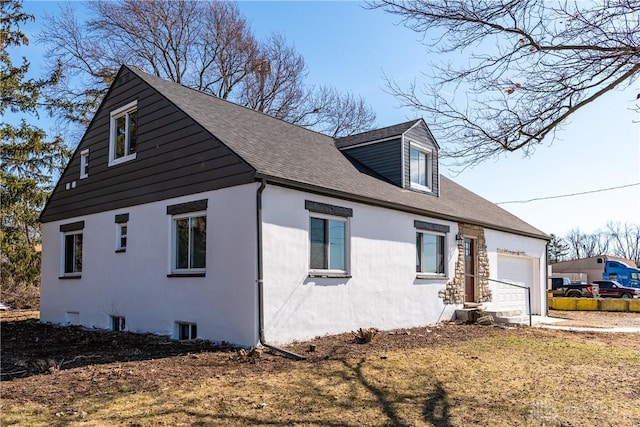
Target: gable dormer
405,155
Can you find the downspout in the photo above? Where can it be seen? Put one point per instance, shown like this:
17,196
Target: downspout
546,278
263,342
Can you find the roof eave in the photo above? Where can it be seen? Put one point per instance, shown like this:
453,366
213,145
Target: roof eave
296,185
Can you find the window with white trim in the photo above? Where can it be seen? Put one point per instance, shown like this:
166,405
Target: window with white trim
118,323
189,242
328,238
187,331
121,238
121,232
328,243
84,163
420,167
72,263
124,134
430,253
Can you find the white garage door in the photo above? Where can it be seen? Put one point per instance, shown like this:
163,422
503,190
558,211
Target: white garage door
518,270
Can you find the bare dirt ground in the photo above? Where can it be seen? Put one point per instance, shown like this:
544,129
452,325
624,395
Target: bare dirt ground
31,348
596,319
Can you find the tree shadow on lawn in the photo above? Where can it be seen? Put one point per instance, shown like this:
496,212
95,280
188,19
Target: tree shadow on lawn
31,348
435,410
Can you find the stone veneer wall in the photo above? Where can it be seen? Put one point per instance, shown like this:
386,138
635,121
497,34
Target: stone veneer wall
454,290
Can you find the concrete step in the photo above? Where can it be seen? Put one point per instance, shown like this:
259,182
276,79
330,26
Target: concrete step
515,320
467,314
515,317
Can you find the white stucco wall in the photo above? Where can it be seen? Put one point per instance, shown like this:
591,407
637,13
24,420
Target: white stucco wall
383,291
135,285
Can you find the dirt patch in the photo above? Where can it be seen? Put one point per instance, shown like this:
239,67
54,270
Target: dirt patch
596,319
30,347
54,366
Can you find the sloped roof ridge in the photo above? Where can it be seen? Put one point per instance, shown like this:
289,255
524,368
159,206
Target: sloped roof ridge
138,71
376,134
294,156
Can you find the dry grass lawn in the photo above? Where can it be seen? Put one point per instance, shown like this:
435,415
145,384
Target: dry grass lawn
507,377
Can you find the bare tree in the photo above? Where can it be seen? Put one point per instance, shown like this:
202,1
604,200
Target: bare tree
617,239
341,114
206,45
532,64
625,240
585,245
275,83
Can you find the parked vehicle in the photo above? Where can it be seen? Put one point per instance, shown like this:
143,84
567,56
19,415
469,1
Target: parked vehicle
563,287
621,273
613,289
601,267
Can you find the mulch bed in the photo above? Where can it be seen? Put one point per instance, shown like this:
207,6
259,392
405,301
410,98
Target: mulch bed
52,363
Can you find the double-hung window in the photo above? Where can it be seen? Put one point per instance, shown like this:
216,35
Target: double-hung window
122,228
328,238
187,331
124,134
190,241
328,243
430,248
420,167
84,164
72,249
118,323
188,237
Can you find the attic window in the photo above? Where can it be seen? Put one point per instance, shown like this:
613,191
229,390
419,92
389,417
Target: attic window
123,135
420,168
84,164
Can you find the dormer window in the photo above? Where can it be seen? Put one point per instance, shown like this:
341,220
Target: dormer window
124,134
420,168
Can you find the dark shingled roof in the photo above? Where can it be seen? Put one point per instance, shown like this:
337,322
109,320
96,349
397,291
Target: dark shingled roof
376,134
292,156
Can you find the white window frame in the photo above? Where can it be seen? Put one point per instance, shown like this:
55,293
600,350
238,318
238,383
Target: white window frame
428,167
116,114
347,245
420,254
84,163
174,269
192,330
118,323
63,266
120,235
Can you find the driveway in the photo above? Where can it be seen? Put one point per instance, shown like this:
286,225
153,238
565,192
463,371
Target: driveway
608,320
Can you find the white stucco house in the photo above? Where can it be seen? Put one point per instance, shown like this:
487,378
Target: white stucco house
186,215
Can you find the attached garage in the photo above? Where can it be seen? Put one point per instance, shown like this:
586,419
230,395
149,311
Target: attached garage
522,271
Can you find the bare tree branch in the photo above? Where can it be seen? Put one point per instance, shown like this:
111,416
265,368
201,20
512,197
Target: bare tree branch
206,45
531,65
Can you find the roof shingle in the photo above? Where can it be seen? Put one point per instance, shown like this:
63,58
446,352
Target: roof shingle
291,155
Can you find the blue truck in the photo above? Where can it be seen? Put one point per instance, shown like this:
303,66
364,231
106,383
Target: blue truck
601,267
621,273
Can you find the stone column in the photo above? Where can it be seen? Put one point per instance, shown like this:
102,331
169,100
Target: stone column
453,293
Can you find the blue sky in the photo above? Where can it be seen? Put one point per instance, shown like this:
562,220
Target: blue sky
351,48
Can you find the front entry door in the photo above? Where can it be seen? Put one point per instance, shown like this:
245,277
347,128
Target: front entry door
469,270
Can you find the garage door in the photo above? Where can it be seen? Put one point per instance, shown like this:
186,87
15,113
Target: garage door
517,270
